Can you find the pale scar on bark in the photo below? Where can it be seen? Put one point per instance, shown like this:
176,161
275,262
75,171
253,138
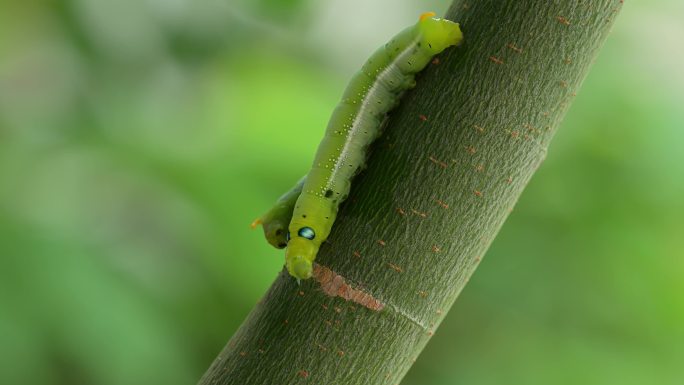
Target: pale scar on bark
335,285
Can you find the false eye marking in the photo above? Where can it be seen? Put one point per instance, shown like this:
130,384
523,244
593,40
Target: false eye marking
306,232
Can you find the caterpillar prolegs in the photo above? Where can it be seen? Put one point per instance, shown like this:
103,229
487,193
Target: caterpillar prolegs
302,219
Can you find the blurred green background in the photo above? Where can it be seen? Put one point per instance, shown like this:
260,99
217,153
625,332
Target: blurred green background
138,139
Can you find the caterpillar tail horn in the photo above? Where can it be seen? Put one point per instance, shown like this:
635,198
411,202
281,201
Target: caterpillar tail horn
256,223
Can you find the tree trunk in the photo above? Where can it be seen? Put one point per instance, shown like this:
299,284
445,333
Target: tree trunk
451,164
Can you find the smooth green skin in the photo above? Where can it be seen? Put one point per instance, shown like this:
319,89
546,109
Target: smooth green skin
354,125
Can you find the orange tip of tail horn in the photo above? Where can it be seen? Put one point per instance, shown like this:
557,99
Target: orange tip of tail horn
427,15
256,223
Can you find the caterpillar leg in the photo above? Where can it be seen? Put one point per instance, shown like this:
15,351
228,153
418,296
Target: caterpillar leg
276,220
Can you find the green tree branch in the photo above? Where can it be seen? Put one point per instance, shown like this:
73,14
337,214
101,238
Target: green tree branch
451,164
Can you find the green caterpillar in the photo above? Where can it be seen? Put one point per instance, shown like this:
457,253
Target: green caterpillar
308,211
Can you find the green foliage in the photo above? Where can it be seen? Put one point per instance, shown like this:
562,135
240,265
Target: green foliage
135,151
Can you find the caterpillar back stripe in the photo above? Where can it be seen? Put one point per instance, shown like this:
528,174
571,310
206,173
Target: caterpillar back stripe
311,207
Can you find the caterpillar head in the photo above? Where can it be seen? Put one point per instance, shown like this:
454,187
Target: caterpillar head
438,34
300,253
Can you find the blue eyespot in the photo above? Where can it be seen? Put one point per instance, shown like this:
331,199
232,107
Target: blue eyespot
306,232
287,236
